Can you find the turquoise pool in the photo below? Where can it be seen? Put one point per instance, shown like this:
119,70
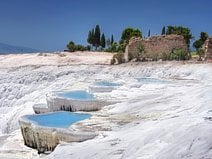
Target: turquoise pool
77,95
145,80
57,119
107,84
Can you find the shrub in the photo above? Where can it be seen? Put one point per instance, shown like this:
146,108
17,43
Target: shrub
176,54
164,56
113,48
179,54
72,47
140,52
200,53
155,57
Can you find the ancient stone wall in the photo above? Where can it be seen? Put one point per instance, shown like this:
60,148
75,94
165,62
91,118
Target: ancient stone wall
155,46
208,49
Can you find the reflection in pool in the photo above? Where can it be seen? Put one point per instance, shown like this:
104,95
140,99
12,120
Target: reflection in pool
77,95
57,119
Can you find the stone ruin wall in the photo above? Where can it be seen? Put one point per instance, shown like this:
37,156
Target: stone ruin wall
155,46
208,49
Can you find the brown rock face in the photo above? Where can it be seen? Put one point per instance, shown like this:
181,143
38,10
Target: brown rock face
155,46
208,49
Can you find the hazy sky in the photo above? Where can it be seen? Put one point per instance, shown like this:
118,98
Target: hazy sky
51,24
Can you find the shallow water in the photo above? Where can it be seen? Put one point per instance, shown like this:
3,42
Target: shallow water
105,83
145,80
58,119
77,95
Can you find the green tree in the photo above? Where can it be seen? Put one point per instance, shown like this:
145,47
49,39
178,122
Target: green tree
179,30
93,37
163,32
97,35
71,46
149,33
103,40
114,47
127,34
89,39
112,40
198,44
203,36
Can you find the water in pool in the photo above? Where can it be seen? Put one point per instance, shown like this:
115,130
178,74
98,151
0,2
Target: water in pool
58,119
77,95
151,81
107,84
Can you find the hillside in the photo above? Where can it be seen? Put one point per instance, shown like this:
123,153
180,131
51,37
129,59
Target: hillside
10,49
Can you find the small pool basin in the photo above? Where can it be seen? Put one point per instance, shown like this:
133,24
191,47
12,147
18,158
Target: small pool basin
103,87
145,80
77,95
57,119
107,84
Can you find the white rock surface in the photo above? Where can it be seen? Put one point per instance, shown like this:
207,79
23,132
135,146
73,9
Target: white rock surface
169,120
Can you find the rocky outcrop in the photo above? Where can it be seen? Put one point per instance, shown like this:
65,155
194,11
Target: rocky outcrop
46,139
208,49
155,46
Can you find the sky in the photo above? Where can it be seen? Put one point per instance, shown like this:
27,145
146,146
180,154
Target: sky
48,25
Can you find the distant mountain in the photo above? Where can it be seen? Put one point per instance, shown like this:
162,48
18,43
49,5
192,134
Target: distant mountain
10,49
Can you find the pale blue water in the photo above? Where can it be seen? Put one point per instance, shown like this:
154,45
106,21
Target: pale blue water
77,95
107,84
58,119
151,81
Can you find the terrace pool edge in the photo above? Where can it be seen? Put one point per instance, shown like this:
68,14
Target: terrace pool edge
45,138
58,103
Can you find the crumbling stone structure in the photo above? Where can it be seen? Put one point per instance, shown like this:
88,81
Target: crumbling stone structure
208,49
155,45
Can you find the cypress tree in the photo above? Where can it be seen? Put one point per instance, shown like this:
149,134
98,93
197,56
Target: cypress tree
89,39
163,31
112,40
103,41
92,37
149,33
97,35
